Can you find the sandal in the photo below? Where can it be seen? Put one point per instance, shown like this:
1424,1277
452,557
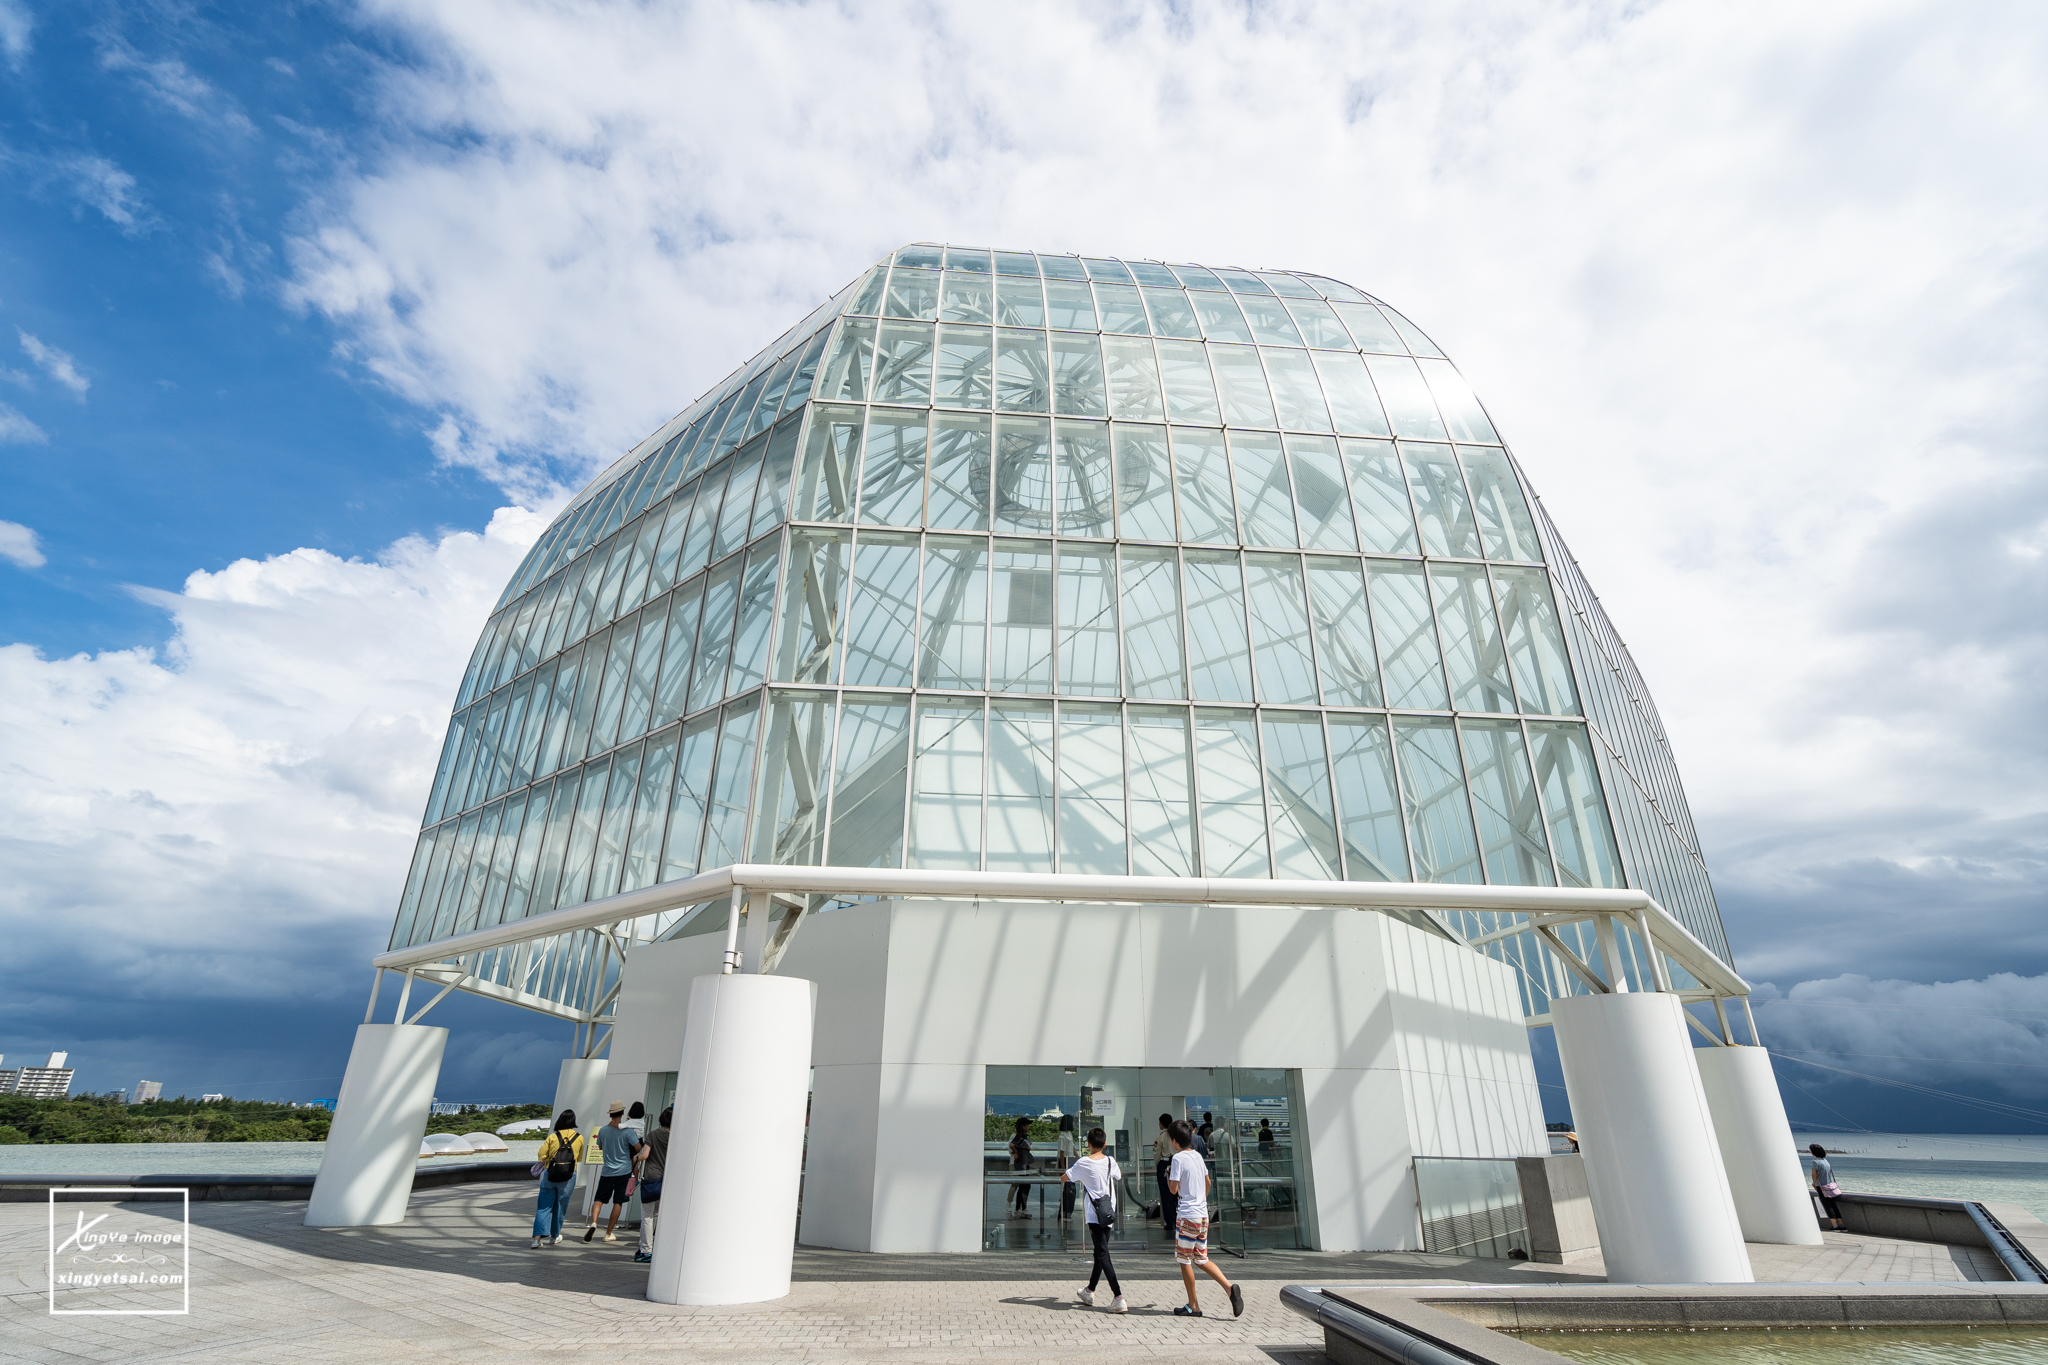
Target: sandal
1186,1312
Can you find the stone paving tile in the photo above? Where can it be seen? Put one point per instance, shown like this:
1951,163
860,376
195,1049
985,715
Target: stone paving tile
456,1282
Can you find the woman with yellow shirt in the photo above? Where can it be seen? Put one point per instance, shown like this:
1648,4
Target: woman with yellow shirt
556,1167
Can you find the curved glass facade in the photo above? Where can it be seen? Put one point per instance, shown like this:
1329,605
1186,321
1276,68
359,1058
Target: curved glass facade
1038,563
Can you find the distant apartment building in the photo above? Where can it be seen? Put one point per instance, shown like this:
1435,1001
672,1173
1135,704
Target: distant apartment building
146,1091
51,1082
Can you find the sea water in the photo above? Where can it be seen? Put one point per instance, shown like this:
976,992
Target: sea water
199,1158
1877,1346
1998,1167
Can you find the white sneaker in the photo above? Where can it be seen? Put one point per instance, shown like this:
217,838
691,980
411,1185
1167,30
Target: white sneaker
536,1244
611,1236
1085,1297
555,1240
1117,1305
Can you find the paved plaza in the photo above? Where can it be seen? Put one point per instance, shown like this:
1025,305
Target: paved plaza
456,1282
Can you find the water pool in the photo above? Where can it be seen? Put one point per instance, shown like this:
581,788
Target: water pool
198,1158
1846,1346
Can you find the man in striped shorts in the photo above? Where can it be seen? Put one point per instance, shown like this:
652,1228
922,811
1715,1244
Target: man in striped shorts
1188,1178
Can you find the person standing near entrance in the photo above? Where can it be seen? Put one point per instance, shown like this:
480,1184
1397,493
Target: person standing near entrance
556,1164
1189,1178
653,1161
1824,1185
619,1144
1162,1159
1097,1175
1020,1160
1068,1155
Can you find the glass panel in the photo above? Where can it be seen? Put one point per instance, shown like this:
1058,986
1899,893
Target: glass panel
1091,757
662,574
672,686
1151,621
1023,373
1504,795
1296,393
1082,501
903,364
736,425
1379,496
913,294
1195,277
1233,807
577,742
617,824
1406,397
882,620
583,836
791,830
1022,496
1151,272
1242,384
957,496
892,475
1264,499
1370,807
1077,376
737,513
519,893
1133,379
1017,263
1580,834
1535,642
1219,317
1215,613
1343,626
1121,309
1433,792
1069,306
1407,638
1298,776
955,613
1280,647
1470,1206
1144,483
1319,325
1171,314
1020,303
646,665
1086,616
1020,787
642,865
509,825
1062,268
771,502
692,794
1354,402
479,870
869,783
1440,503
757,612
851,363
1244,282
922,254
1202,470
559,707
607,601
1504,523
967,298
824,487
1473,656
547,876
725,824
1190,389
714,635
1410,333
1270,323
966,258
965,374
1020,645
1369,328
771,397
945,800
604,729
1162,793
1100,268
523,770
813,606
1455,399
1322,507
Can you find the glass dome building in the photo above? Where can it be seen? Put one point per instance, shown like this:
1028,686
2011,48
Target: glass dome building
1012,562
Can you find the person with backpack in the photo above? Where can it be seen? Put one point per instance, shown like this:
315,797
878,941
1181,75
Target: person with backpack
556,1167
1188,1178
1098,1176
653,1161
1824,1185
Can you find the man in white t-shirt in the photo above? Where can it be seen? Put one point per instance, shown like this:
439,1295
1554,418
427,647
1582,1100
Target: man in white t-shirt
1188,1178
1098,1176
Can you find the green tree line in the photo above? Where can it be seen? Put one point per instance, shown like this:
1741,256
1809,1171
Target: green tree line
104,1118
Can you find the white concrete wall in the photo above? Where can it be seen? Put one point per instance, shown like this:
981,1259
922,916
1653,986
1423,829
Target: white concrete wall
1407,1044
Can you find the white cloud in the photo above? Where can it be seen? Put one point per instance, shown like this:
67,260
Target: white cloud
103,186
19,547
16,429
16,24
177,87
212,818
55,363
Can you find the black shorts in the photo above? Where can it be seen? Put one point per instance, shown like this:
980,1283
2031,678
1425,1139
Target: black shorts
1834,1209
611,1189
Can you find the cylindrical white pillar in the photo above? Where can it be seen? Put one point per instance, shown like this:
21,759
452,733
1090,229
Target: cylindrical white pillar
373,1147
1764,1173
1653,1168
729,1194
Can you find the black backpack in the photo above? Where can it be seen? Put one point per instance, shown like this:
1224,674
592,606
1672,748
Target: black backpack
562,1165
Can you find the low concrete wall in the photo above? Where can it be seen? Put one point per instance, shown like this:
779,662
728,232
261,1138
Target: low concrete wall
1909,1219
1558,1207
24,1189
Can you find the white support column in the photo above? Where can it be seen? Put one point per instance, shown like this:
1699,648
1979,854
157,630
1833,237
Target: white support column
580,1086
1764,1173
1660,1192
373,1147
729,1197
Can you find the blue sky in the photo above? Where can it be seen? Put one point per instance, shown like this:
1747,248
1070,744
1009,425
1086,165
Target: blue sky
310,314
